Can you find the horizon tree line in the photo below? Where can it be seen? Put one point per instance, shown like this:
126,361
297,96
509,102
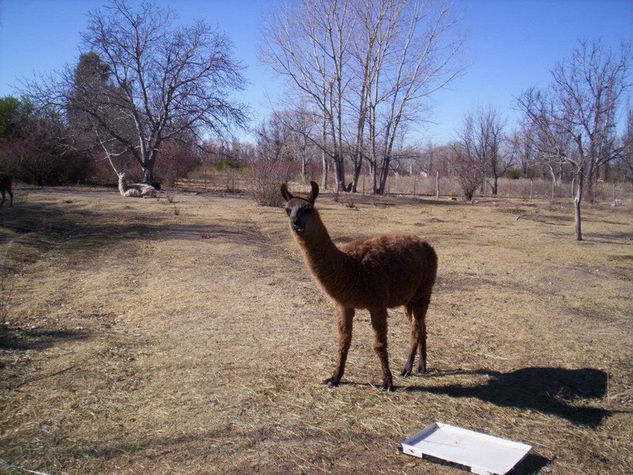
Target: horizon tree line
359,73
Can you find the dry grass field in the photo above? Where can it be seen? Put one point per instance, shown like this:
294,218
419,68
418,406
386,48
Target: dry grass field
185,336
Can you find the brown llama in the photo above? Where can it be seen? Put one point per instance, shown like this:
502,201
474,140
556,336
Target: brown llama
374,274
5,187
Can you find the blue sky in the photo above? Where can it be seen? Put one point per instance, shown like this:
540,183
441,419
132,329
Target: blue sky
511,45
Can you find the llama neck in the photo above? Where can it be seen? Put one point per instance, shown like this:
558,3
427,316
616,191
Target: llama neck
122,185
331,266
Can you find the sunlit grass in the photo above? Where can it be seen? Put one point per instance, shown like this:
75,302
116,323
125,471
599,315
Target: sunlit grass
140,340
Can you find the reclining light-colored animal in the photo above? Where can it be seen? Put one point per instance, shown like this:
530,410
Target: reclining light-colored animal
135,190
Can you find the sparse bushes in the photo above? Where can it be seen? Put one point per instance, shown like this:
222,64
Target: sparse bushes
177,159
514,173
42,159
36,148
266,177
274,161
468,172
228,163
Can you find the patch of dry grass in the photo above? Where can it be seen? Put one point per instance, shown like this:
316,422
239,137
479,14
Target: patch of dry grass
137,339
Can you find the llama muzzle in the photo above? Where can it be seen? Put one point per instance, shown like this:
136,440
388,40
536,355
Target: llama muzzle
298,227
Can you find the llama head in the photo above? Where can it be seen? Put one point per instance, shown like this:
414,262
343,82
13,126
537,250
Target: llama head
300,210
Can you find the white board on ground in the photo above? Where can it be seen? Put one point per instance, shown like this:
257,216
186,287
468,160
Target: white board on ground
478,452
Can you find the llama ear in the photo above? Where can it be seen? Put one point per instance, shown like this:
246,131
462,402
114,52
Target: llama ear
314,192
285,193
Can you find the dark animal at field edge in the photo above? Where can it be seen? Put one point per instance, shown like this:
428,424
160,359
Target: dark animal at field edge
5,187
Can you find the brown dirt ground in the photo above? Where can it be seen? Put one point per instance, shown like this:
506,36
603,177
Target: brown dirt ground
149,336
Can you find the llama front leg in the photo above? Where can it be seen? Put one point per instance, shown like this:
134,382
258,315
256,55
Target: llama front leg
379,323
344,319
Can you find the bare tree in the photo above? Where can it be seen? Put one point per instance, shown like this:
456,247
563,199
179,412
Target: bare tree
466,168
482,140
309,44
275,155
365,67
411,59
161,80
575,116
299,129
520,145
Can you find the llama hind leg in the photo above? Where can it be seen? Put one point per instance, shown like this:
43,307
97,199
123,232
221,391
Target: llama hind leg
417,339
344,319
413,341
419,317
379,323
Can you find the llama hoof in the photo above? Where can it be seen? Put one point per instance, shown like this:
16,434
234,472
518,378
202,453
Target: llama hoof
406,372
331,382
421,371
388,386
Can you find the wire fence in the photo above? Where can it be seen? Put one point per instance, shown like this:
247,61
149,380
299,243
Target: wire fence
238,181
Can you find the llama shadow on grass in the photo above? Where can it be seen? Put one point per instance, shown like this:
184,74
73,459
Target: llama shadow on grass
547,390
22,339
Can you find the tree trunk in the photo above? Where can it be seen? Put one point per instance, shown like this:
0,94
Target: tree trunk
324,162
591,185
148,171
358,154
357,170
374,179
339,173
147,164
577,200
437,185
382,179
324,170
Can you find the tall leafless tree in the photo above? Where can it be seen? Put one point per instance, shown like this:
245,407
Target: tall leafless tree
366,67
579,108
520,144
412,58
302,127
308,42
162,80
482,139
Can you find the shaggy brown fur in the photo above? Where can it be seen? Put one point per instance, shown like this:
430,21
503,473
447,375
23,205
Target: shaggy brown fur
374,274
5,187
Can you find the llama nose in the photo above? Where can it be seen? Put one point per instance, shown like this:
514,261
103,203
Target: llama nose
297,225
